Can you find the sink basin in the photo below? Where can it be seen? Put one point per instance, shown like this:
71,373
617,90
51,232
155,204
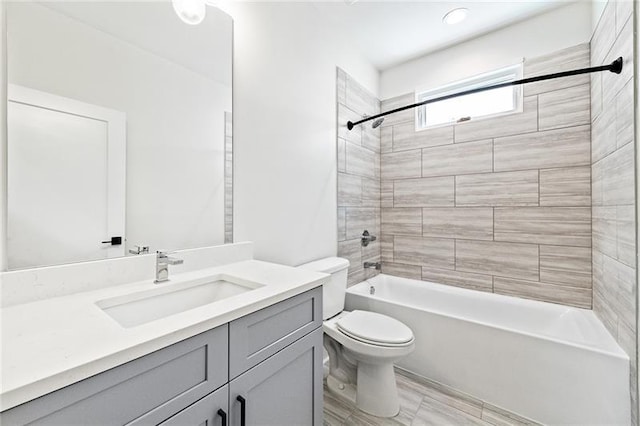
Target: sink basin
170,299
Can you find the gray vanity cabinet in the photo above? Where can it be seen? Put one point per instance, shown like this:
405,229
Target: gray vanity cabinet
285,389
272,358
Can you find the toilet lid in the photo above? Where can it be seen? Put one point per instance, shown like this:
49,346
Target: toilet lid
375,328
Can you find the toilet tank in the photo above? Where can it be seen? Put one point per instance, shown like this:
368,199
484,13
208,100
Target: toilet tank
333,292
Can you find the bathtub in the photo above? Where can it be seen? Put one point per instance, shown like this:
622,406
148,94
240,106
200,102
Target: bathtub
550,363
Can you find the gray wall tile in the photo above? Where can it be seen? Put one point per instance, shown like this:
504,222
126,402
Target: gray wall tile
423,192
386,247
458,278
498,258
403,221
361,161
342,155
561,60
341,86
342,224
386,193
370,192
580,297
568,226
401,165
624,115
349,190
405,136
436,252
541,150
498,189
618,183
472,223
350,250
359,219
626,233
344,115
603,134
397,102
566,265
360,99
386,139
565,186
458,159
401,270
564,108
604,230
512,124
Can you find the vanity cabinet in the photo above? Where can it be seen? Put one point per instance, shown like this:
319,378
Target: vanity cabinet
272,358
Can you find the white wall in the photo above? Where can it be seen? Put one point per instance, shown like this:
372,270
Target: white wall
551,31
175,171
3,139
285,128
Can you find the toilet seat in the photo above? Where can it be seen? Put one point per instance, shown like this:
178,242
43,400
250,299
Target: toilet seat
375,329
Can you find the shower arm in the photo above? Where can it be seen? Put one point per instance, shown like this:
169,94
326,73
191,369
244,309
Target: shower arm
614,67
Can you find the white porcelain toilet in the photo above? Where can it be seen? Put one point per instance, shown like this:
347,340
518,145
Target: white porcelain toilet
362,346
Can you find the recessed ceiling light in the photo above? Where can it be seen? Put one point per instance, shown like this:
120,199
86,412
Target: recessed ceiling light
455,16
191,12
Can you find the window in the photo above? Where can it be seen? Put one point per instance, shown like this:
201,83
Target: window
484,104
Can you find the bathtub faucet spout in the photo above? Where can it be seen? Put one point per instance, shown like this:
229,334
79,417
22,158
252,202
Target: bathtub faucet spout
376,265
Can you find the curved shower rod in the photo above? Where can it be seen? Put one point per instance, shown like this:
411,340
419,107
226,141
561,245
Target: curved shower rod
614,67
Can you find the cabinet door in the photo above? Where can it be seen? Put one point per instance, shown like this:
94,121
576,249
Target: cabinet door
285,389
212,410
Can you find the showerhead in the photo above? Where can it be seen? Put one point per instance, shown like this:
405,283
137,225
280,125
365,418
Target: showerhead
377,123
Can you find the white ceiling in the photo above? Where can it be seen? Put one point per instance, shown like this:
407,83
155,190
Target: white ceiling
153,26
392,32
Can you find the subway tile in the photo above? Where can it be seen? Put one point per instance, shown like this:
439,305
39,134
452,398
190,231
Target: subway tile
402,270
386,247
359,99
618,183
349,190
397,102
350,250
407,221
626,235
361,161
603,134
613,83
436,252
498,258
386,139
505,125
405,137
458,159
561,60
604,230
603,35
472,223
567,226
341,86
548,149
565,186
401,165
546,292
564,108
370,192
342,224
359,219
458,278
424,192
566,265
497,189
354,135
342,155
386,193
624,115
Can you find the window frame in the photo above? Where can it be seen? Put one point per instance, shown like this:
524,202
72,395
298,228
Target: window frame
501,75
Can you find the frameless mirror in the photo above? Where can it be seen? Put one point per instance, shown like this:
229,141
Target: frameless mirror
119,130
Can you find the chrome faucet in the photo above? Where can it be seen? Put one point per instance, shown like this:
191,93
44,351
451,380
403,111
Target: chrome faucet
376,265
162,265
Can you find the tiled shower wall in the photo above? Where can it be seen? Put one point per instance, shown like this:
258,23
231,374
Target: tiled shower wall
502,204
358,177
613,177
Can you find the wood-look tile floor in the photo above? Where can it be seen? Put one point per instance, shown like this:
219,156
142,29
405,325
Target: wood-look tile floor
423,402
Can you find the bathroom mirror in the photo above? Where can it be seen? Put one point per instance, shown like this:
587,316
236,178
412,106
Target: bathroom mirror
119,131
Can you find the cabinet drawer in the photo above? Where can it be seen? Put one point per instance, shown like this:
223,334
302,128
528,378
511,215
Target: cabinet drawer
204,412
143,391
257,336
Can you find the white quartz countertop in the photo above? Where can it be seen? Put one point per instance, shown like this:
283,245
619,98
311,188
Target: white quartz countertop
52,343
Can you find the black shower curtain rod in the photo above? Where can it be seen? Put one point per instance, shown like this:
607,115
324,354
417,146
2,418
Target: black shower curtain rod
614,67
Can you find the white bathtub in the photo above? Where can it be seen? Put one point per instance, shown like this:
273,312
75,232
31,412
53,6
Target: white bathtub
551,363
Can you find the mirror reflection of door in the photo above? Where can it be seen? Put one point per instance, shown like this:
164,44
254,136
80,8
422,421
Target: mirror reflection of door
66,179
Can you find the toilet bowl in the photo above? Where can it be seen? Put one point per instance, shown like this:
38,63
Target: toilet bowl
363,346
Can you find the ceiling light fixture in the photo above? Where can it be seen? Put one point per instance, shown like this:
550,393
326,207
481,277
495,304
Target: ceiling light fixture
191,12
455,16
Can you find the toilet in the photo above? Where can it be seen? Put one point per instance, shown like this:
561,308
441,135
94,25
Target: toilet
363,346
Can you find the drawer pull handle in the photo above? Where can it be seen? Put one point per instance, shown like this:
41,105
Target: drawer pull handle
243,410
223,415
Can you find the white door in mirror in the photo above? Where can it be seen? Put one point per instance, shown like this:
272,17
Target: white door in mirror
66,191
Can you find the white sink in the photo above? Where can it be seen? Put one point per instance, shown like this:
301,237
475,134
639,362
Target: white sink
170,299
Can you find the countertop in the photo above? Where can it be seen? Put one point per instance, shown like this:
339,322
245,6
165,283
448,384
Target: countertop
52,343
